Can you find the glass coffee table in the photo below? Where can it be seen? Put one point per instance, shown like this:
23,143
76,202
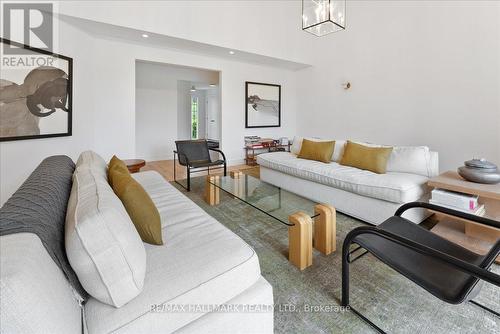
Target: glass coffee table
287,208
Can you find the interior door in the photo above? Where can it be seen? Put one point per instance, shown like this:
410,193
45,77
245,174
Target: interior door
212,117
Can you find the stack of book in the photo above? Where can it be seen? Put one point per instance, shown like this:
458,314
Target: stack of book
251,139
457,201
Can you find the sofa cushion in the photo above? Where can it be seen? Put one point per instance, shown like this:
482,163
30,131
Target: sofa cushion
35,296
92,160
39,207
201,263
410,159
102,244
392,187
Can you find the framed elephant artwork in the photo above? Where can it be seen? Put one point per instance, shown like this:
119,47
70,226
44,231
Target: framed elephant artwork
35,93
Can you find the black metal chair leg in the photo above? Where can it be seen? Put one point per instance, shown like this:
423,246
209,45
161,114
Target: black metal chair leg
345,288
225,169
368,321
485,308
188,179
175,179
345,276
175,175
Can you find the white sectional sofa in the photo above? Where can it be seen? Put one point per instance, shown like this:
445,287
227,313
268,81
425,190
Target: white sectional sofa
204,279
359,193
201,265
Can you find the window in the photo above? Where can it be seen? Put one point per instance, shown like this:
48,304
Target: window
194,117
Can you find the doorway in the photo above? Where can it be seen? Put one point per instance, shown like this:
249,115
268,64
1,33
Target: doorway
199,110
174,102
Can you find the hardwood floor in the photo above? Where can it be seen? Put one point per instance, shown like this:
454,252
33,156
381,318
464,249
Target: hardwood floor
166,169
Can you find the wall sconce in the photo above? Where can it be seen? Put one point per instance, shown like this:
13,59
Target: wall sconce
346,85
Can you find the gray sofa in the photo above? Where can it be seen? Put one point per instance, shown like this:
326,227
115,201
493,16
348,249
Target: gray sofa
204,279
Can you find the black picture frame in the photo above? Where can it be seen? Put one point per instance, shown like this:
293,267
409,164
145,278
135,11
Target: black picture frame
247,96
69,131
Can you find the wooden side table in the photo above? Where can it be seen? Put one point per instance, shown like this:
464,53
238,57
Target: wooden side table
476,237
134,165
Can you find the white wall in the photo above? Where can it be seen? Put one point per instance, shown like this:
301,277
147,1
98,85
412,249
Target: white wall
183,104
160,107
232,85
104,116
19,158
422,73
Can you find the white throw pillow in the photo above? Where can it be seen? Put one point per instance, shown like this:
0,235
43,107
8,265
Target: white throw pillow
102,245
296,145
92,160
338,151
410,159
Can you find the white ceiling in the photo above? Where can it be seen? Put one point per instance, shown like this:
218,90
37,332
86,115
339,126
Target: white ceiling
105,30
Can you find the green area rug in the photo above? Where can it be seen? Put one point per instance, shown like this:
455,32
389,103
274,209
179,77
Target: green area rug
307,301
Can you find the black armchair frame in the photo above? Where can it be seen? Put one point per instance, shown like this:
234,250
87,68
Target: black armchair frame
198,168
477,271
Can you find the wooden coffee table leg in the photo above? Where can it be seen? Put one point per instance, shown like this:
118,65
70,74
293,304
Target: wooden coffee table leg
325,228
237,177
211,191
235,174
300,240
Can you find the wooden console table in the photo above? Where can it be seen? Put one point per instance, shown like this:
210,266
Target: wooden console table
476,237
252,150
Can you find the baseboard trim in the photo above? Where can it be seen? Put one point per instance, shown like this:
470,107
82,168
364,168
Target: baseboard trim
235,162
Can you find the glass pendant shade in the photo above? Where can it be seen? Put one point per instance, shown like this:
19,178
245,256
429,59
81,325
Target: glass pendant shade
322,17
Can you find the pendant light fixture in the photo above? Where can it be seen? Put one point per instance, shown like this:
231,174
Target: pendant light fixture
322,17
193,89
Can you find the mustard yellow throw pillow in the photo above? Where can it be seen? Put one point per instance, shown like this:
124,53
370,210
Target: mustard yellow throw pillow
365,157
115,164
139,206
317,150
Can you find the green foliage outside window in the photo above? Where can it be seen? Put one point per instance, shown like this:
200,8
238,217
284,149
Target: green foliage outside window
194,118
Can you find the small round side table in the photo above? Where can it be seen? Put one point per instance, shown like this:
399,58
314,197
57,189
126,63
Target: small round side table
134,165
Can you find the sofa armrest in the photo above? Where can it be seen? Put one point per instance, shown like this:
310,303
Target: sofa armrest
433,164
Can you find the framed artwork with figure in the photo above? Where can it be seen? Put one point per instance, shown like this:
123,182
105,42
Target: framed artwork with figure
262,105
35,93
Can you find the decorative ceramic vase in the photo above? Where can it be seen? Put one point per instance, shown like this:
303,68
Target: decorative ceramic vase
480,171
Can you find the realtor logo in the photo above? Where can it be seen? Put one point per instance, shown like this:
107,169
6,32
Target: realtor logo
28,23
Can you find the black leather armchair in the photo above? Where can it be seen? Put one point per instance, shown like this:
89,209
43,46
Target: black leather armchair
195,156
443,268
